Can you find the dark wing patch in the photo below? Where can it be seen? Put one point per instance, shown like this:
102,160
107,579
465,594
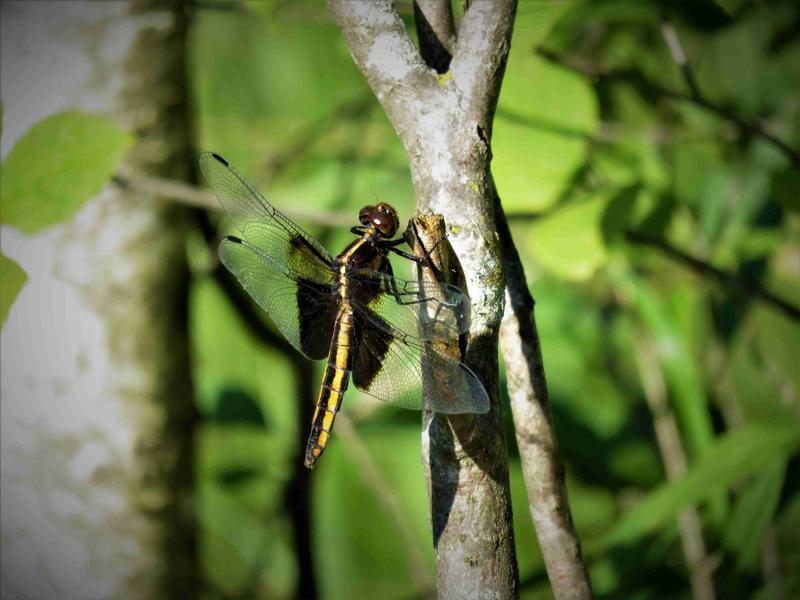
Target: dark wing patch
372,343
282,297
317,313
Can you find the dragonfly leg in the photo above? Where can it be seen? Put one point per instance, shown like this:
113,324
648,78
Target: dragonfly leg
391,287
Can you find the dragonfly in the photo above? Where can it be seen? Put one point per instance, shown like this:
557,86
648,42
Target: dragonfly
380,331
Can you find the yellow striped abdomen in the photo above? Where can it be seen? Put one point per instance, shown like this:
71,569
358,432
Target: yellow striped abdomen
334,385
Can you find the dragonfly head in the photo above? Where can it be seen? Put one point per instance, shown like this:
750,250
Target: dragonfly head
380,217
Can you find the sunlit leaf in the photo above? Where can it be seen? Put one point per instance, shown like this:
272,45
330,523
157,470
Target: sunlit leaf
12,278
570,241
545,117
59,164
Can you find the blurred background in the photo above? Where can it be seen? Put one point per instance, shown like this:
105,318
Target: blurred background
153,420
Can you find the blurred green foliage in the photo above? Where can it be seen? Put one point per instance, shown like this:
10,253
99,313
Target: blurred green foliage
652,211
599,147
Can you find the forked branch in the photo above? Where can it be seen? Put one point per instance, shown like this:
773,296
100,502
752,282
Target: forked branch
438,119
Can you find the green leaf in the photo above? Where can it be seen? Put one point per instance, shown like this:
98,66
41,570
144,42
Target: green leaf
342,489
12,278
730,459
59,164
621,212
570,242
687,394
753,512
545,117
534,21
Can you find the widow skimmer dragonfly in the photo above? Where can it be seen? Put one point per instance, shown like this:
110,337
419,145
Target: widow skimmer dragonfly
349,309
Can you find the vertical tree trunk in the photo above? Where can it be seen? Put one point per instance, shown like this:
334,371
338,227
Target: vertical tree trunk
96,387
444,122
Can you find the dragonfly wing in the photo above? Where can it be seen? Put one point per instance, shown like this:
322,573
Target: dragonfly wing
389,365
302,309
283,243
444,308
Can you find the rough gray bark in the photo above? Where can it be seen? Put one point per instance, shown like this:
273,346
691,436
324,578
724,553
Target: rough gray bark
542,468
96,390
444,123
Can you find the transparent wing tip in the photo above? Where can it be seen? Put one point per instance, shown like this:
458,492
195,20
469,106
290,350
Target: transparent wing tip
217,157
206,156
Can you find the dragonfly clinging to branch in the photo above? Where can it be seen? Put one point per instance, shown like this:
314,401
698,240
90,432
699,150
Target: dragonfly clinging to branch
350,309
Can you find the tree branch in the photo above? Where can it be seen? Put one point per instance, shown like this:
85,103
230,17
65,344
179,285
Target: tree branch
382,50
657,89
747,287
542,468
466,466
436,32
444,128
198,197
479,61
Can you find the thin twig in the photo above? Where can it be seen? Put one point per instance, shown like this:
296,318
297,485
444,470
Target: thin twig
371,475
170,189
590,71
199,197
745,286
679,55
672,453
530,405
